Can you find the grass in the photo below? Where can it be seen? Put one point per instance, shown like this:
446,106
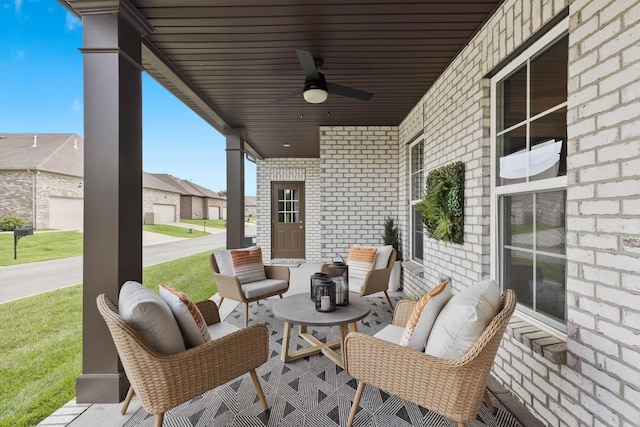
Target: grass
206,223
40,247
172,230
41,346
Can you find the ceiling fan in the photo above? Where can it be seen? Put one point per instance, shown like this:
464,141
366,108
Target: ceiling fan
316,89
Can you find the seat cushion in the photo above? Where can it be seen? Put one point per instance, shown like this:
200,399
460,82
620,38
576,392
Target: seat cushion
391,333
360,261
425,312
382,257
263,287
220,329
247,265
355,285
463,319
189,317
151,317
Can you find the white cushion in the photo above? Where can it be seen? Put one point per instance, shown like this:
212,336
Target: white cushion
151,317
425,312
391,333
382,257
223,259
355,284
463,319
189,317
262,287
220,329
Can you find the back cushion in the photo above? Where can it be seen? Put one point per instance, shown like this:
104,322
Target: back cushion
360,261
247,265
223,259
424,316
151,317
463,320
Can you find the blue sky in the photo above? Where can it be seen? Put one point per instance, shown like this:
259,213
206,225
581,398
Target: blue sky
41,92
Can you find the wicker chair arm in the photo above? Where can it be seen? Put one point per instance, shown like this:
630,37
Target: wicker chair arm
277,272
444,386
170,380
376,281
209,311
402,312
229,287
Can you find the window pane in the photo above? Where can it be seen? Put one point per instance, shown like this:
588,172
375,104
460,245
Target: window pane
549,146
518,216
518,275
512,99
549,77
512,147
550,230
550,286
418,236
417,177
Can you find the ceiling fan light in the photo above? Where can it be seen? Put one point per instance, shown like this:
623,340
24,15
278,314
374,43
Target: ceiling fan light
315,96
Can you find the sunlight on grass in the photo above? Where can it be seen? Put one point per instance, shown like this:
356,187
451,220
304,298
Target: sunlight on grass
203,224
172,230
41,346
40,247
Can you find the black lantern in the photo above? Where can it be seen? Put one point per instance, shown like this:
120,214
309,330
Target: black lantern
314,281
326,295
339,273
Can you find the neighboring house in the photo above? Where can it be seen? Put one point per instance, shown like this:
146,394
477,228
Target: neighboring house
250,206
41,178
196,202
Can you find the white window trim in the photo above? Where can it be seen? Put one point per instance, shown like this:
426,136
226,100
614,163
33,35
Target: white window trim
559,183
413,202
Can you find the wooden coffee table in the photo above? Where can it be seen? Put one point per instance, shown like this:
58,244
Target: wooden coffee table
300,310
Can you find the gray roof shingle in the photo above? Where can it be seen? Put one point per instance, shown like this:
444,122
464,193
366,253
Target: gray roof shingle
61,153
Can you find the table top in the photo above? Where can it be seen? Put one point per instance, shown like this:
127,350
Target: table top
299,309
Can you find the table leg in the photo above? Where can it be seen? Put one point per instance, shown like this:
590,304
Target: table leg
284,354
353,327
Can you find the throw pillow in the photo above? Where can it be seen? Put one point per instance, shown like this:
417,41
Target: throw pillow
190,319
360,261
151,317
463,320
382,257
247,265
424,315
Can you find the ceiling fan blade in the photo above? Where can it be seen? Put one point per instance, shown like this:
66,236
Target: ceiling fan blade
288,96
348,92
308,64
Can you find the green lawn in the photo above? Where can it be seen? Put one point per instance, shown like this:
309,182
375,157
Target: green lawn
40,247
203,224
41,340
172,230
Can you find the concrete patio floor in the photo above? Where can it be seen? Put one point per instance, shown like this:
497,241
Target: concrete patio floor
74,414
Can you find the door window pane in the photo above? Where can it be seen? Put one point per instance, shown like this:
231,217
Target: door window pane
288,205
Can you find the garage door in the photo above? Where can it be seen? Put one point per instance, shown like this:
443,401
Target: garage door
167,212
214,212
65,213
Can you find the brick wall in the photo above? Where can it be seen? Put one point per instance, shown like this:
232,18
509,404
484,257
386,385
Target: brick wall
16,197
285,169
600,383
151,197
358,186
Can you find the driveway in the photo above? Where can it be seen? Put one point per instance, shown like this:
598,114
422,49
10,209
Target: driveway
19,281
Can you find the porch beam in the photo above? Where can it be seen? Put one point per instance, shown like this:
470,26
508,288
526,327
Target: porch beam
235,190
113,190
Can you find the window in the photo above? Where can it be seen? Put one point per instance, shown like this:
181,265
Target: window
416,160
529,163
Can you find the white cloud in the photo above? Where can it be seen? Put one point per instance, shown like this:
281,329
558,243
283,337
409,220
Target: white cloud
72,22
18,4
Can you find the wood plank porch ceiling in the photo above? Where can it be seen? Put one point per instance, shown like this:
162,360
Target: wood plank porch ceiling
240,55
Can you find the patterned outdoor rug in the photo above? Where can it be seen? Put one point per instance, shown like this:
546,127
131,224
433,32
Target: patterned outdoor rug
309,392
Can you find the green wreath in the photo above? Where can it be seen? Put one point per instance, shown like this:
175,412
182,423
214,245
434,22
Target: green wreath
442,207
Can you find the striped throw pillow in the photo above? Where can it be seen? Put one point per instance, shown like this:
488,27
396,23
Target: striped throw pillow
424,315
190,319
360,261
247,265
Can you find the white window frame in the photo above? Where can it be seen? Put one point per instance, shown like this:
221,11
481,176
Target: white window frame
557,183
413,202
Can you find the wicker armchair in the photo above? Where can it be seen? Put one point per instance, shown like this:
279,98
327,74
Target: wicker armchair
230,287
454,388
165,381
376,281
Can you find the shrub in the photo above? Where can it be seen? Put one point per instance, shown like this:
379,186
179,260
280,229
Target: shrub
8,223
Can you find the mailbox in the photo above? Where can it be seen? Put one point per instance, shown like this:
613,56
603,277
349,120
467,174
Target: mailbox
22,231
